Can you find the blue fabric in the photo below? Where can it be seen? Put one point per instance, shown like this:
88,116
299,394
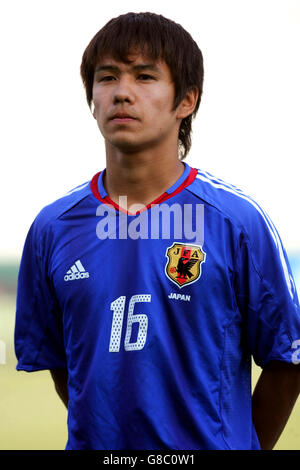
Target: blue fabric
153,364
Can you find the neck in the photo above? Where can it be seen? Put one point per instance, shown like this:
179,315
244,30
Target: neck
141,176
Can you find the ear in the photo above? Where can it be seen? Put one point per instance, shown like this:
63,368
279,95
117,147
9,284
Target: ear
188,104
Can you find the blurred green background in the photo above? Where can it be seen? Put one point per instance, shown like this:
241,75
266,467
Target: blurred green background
32,416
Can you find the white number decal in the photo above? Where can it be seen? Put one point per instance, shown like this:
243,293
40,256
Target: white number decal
296,354
118,307
116,328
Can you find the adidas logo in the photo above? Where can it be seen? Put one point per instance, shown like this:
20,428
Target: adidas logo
76,271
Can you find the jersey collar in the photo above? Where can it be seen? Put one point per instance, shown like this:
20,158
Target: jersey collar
185,179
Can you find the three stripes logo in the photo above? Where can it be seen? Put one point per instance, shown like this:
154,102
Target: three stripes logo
76,271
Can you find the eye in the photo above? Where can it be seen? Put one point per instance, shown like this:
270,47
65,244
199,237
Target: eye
144,76
106,78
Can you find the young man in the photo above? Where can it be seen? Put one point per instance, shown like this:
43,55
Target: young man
147,291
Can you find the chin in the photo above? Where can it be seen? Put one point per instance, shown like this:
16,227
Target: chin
127,145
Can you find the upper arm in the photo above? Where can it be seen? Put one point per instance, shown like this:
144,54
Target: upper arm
38,328
266,293
60,378
285,370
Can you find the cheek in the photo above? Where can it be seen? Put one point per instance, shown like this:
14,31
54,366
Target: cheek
99,98
162,101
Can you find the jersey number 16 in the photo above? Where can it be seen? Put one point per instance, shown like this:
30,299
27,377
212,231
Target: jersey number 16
118,307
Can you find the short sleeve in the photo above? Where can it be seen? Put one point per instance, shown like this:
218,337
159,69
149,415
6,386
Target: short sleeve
38,328
266,292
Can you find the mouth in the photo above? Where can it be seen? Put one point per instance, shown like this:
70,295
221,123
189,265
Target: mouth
122,118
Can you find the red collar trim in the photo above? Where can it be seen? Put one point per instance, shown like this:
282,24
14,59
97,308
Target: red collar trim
159,200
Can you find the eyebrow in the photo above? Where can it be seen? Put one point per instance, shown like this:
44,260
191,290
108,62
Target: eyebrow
138,67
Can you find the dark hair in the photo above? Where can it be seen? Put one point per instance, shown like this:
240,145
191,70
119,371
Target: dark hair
155,37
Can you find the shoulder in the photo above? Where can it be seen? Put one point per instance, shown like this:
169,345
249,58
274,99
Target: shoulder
232,202
53,211
252,222
256,230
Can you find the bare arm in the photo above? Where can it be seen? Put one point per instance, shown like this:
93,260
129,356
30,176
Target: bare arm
273,399
60,378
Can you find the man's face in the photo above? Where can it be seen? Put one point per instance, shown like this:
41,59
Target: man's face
133,103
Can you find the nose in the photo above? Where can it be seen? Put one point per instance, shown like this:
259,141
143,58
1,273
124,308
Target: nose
123,92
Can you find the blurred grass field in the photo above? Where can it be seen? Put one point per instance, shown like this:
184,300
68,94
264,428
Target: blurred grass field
32,416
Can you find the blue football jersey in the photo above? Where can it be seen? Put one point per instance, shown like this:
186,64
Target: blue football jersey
156,314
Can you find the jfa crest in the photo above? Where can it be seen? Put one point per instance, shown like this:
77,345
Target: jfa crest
184,263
